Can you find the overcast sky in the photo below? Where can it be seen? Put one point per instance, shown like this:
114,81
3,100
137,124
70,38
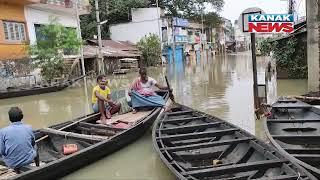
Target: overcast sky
233,8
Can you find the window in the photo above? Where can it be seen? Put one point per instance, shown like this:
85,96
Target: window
14,31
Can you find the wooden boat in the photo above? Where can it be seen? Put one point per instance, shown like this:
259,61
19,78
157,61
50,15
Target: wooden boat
312,98
93,140
294,128
35,90
195,145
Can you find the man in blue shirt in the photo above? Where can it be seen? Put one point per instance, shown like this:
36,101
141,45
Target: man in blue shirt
17,142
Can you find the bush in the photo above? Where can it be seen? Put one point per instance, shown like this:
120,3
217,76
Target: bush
150,46
288,55
47,54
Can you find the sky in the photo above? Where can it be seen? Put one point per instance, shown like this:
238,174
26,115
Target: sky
233,8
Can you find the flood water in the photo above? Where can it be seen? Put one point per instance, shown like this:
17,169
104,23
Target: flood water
219,85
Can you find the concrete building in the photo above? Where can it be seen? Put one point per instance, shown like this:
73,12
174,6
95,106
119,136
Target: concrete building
186,35
144,21
40,13
19,24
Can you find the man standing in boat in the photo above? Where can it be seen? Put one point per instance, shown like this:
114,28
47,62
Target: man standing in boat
101,100
17,142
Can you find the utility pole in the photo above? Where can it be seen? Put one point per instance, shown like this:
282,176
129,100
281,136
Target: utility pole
254,67
80,37
100,57
87,109
174,40
202,31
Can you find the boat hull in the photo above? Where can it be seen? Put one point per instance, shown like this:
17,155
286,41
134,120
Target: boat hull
294,129
70,163
195,145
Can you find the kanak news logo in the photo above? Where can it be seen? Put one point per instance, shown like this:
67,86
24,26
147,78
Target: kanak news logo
271,23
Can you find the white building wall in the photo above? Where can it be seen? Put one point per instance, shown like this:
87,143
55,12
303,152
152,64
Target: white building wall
145,14
36,16
134,31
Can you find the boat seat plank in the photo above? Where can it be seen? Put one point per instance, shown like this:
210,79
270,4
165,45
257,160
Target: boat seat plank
179,113
292,120
312,157
293,137
189,127
244,167
199,134
181,120
206,145
74,135
95,131
282,177
99,126
302,150
240,177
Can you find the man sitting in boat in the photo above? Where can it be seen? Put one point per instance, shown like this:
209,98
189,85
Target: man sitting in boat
142,94
17,142
101,100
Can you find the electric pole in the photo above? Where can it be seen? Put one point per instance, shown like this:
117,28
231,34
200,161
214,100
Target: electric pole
80,37
173,40
100,56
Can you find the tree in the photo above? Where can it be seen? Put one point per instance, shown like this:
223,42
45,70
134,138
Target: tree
119,11
115,11
150,46
54,41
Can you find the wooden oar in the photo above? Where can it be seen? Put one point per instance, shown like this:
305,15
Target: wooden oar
170,92
65,127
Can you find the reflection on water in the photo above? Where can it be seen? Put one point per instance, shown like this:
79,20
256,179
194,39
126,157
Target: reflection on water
220,85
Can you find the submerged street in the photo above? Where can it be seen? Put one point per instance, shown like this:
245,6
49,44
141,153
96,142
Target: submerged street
219,85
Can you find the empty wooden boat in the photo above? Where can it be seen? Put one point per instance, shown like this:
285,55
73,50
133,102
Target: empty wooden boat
195,145
93,141
35,90
294,128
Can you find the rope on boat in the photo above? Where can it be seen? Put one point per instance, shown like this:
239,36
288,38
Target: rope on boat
299,175
65,136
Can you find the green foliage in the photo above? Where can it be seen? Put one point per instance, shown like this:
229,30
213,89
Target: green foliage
119,11
288,55
115,11
47,54
150,46
265,47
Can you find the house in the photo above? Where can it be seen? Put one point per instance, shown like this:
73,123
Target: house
185,34
20,21
19,25
112,52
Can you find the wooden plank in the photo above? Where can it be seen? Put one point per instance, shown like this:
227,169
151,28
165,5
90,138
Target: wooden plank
240,177
302,150
99,126
179,113
282,177
244,167
307,157
199,134
293,120
181,120
190,127
296,137
96,131
74,123
74,135
206,145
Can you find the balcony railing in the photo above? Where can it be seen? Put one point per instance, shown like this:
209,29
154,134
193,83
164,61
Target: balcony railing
83,5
